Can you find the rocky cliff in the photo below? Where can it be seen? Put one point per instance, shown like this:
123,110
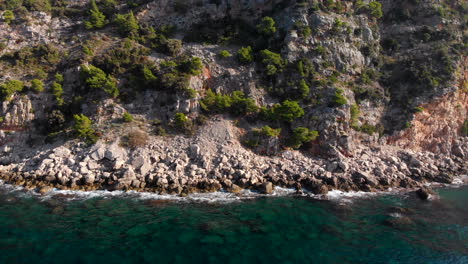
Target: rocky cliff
185,96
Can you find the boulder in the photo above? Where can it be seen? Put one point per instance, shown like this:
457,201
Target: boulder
141,163
234,188
45,189
195,151
89,179
360,177
332,166
266,188
129,174
62,152
425,193
115,152
343,166
444,178
99,152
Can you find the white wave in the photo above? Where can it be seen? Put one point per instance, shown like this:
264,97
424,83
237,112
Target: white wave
216,197
396,215
348,197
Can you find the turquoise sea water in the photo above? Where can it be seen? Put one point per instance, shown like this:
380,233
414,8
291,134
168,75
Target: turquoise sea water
383,229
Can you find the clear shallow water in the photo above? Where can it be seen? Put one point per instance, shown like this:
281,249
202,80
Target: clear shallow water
381,229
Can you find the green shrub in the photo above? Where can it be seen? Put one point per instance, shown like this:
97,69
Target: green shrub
267,131
245,55
148,75
177,81
224,54
172,47
191,93
37,85
9,88
287,111
267,26
303,31
38,5
127,117
369,129
355,112
321,50
96,19
40,74
302,135
376,9
338,98
83,128
304,89
8,16
192,66
236,103
59,78
181,121
95,78
272,61
57,91
418,109
215,103
124,57
464,129
127,24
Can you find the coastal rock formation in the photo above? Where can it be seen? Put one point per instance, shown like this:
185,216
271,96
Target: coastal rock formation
201,96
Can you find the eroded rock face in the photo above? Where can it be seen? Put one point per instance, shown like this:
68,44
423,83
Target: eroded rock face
375,154
183,14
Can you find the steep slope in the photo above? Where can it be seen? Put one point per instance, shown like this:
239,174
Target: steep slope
188,96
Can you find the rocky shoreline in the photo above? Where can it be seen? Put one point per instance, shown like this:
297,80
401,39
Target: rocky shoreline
215,161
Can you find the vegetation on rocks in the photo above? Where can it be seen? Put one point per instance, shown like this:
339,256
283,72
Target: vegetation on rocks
83,128
302,135
96,19
298,69
96,79
8,88
236,103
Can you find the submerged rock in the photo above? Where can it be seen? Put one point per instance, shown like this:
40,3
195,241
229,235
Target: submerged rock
425,193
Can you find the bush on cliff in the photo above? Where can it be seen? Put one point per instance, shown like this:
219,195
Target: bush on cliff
302,135
9,88
181,121
83,128
287,111
127,117
272,62
245,55
57,91
267,26
236,103
96,19
95,78
8,16
127,24
37,85
338,99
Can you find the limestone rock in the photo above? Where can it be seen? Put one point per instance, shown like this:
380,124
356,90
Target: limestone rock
266,188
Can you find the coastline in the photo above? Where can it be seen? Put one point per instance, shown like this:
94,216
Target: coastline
220,196
214,160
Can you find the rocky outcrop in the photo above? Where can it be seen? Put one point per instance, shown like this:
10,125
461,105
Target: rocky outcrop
392,132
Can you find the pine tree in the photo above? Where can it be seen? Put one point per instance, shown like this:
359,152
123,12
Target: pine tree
97,19
8,16
128,24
